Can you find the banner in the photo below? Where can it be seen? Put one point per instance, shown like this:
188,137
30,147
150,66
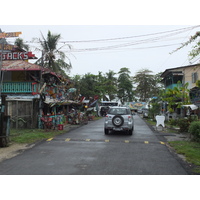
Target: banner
10,34
17,56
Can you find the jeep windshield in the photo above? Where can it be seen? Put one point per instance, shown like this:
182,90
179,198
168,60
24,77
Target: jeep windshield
119,111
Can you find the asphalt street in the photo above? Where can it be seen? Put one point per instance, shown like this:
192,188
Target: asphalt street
87,151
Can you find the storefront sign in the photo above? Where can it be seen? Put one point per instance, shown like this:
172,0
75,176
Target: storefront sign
17,56
10,34
7,47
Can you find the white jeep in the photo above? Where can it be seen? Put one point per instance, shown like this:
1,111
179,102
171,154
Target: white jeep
119,119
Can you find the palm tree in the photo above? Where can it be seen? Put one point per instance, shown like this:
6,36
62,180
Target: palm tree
52,57
111,84
19,42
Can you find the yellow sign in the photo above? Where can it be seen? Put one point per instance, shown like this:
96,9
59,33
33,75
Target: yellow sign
10,34
7,47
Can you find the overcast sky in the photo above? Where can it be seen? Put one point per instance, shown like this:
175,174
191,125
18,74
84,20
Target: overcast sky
102,48
109,35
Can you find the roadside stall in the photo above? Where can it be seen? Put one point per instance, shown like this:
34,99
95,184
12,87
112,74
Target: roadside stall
56,114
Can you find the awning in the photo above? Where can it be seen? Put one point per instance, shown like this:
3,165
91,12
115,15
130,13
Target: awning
192,106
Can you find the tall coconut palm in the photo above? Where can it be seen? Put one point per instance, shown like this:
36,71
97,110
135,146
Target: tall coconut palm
111,84
19,42
52,57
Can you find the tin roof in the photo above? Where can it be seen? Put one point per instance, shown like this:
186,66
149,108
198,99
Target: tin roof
167,71
19,65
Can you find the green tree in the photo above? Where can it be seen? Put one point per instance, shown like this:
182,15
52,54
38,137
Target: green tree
110,84
125,87
100,86
89,85
176,97
196,48
52,56
19,42
147,84
103,85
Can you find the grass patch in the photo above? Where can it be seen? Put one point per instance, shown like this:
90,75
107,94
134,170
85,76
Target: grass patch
191,150
168,128
32,135
150,122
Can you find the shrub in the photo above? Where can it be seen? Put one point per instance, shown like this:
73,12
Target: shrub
193,118
183,125
173,122
194,130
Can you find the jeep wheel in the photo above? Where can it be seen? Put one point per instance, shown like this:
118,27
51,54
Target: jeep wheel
118,120
106,131
130,132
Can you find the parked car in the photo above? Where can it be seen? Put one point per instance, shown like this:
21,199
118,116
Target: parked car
139,111
145,112
119,119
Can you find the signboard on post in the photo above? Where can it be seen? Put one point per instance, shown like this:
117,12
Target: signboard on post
10,34
17,56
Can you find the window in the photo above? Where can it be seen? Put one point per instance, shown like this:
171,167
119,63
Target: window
119,111
194,77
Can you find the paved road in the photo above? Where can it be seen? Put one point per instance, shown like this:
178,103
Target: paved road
87,151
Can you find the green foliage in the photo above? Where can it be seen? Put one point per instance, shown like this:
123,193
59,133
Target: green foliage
194,130
108,86
103,85
176,97
198,83
19,42
147,84
125,87
32,135
154,110
196,48
173,122
52,56
191,150
88,85
184,123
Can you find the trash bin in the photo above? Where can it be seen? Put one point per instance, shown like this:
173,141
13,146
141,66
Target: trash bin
60,127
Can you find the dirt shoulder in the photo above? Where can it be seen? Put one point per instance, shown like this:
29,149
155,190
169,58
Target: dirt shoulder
12,150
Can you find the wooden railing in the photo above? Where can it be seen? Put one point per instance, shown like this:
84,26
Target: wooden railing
20,87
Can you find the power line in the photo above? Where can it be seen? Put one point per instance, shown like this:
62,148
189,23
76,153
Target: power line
128,37
101,49
137,42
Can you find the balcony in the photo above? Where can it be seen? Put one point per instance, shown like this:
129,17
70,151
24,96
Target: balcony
172,86
20,87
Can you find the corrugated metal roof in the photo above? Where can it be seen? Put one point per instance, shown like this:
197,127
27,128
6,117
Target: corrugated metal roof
13,65
176,69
